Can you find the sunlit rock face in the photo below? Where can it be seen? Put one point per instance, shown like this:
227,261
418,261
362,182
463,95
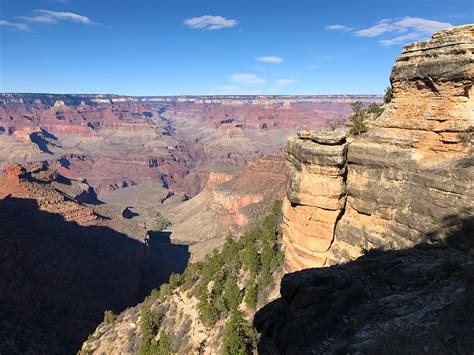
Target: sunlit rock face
400,181
316,195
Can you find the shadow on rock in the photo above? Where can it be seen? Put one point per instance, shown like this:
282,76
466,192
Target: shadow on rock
57,277
414,301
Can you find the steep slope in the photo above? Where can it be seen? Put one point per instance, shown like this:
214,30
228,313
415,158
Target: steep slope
205,310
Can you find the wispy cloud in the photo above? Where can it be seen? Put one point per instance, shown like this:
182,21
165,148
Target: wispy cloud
383,26
413,36
270,59
210,23
341,28
408,28
281,83
313,66
52,17
248,79
251,84
14,26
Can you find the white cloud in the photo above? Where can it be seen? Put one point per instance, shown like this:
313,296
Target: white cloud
210,23
270,59
422,25
413,36
338,28
247,79
52,17
412,28
381,27
313,66
14,26
281,83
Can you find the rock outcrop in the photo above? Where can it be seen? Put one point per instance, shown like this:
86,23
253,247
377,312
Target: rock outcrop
316,195
399,180
414,301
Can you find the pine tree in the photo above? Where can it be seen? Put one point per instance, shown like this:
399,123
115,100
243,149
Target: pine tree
249,257
239,336
149,325
165,346
250,298
232,294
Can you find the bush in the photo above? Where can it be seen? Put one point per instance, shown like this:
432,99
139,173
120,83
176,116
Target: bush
162,222
387,98
357,120
375,109
109,316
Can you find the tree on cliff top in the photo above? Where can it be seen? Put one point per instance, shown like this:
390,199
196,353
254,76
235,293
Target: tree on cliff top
358,118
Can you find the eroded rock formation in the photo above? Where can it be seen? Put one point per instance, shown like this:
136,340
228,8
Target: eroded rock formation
412,170
316,195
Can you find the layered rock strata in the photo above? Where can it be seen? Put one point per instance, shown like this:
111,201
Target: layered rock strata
316,195
409,173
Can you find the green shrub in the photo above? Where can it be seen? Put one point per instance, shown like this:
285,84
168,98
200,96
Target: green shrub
162,222
149,325
239,336
375,109
357,121
165,346
387,98
250,298
109,316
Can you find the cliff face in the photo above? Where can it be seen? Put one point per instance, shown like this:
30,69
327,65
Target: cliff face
397,183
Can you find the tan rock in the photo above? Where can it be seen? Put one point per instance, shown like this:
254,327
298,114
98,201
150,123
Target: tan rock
407,177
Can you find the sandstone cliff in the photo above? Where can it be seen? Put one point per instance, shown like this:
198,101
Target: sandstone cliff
393,186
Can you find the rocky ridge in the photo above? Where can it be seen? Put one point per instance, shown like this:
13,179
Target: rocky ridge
391,187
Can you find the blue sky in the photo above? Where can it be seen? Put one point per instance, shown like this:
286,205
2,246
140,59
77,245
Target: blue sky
179,47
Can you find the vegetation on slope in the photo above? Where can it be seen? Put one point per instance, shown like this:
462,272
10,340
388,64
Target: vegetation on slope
226,285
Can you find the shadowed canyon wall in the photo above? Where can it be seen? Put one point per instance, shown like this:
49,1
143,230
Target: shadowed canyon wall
391,187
